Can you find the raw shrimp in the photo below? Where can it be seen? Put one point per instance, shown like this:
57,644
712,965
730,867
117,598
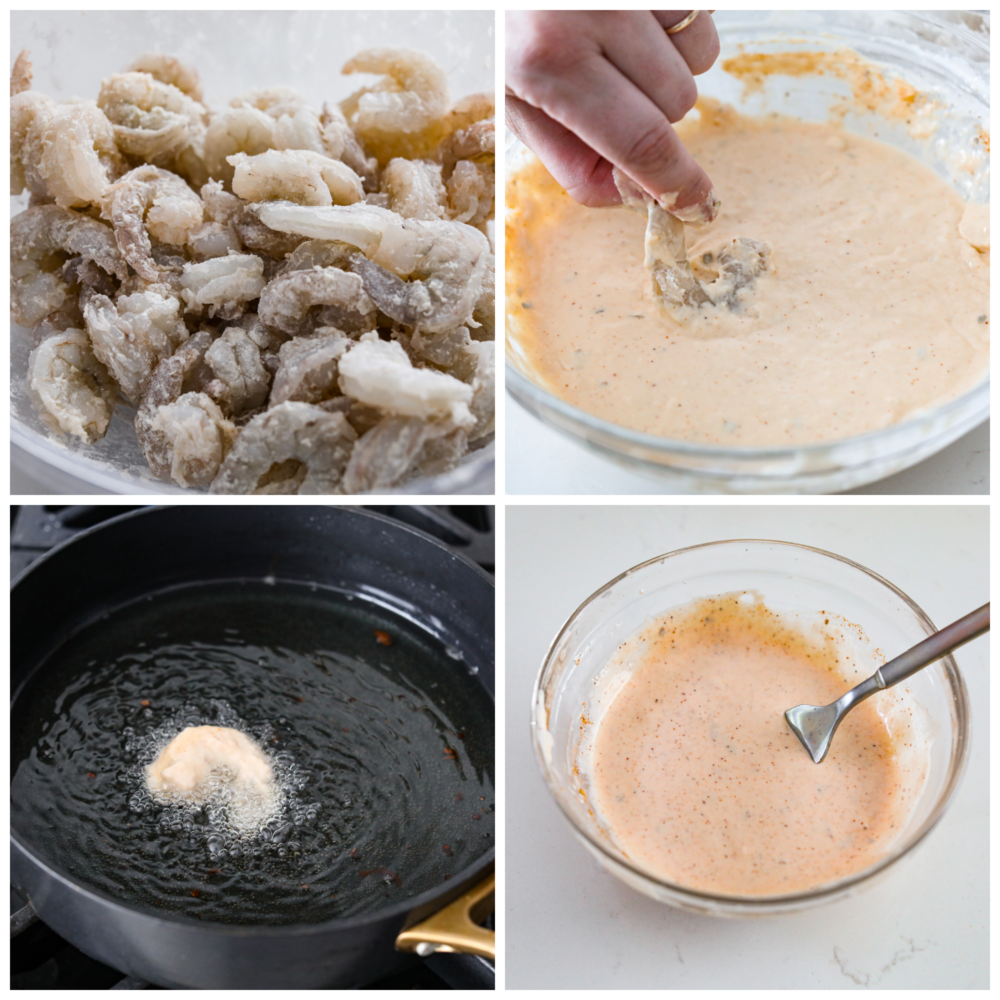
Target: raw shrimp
224,284
65,152
38,236
471,190
415,189
308,368
452,257
379,373
156,122
166,69
400,115
72,391
235,360
287,300
20,75
154,199
131,336
297,175
389,452
320,441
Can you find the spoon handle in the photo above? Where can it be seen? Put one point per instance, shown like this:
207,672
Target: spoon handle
934,646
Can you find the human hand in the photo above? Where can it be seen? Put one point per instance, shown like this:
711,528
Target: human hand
591,90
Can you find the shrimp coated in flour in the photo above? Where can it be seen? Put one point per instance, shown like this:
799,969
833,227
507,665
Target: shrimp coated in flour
296,301
39,236
309,368
298,175
151,201
131,336
71,390
447,262
394,117
63,152
290,434
184,435
169,70
379,373
223,285
287,301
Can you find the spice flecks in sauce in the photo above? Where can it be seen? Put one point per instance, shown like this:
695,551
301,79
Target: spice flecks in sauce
698,778
871,314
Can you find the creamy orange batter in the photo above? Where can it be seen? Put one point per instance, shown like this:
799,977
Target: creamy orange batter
701,782
878,305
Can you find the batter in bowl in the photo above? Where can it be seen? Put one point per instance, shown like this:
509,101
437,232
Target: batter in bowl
876,304
700,782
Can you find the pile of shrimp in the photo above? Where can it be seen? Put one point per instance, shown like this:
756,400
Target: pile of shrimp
288,300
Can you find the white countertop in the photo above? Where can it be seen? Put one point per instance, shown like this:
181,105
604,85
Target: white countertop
543,462
570,925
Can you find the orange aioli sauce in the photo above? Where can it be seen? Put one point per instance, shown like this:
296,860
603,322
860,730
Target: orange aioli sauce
877,308
700,781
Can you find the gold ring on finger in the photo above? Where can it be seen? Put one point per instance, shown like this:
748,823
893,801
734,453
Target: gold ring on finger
683,23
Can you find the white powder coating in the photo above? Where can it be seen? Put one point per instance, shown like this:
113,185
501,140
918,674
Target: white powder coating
216,766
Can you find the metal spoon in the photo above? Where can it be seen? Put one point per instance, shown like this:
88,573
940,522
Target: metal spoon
815,725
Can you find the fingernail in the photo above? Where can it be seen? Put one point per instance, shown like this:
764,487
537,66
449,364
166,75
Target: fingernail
703,212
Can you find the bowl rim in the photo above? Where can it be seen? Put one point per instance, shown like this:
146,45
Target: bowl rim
958,757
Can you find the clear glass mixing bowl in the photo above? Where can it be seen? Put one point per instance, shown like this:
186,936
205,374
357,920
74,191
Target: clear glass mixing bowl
942,53
233,52
793,580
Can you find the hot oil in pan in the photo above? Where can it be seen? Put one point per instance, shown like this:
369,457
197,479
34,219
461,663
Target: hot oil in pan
383,754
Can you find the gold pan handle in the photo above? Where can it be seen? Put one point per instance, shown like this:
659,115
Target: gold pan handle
456,928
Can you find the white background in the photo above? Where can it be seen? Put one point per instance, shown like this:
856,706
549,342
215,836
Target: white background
569,925
543,461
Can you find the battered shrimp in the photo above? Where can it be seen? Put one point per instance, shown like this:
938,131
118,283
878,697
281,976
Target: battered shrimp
401,115
297,175
71,390
131,336
40,238
379,373
309,368
153,199
415,189
286,302
448,261
63,152
223,284
166,69
298,432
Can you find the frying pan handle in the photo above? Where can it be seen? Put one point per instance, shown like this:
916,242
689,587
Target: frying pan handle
455,928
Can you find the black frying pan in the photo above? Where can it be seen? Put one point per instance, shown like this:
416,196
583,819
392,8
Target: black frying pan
154,550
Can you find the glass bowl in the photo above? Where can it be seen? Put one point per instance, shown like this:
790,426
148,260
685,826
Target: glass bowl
793,580
945,54
233,53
